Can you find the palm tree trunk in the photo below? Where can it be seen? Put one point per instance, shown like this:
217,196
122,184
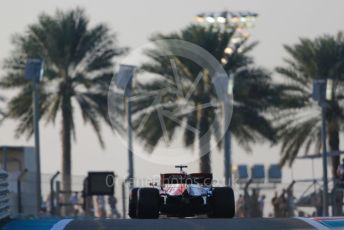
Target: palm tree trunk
333,135
337,196
334,146
204,142
66,149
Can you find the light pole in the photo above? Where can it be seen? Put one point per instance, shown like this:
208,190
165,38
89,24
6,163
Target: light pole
238,22
225,85
34,73
322,93
124,81
228,135
130,135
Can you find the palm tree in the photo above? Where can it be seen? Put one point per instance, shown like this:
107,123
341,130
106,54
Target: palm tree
253,93
78,70
300,121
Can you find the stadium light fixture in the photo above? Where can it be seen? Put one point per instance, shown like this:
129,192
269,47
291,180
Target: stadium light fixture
329,90
200,18
228,50
210,18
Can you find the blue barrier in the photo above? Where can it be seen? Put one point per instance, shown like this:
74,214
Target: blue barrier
258,173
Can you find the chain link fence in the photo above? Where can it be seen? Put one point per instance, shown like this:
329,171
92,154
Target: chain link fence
22,196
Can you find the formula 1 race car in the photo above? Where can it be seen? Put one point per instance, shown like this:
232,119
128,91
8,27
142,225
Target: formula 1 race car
182,195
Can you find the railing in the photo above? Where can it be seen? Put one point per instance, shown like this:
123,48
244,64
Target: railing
4,198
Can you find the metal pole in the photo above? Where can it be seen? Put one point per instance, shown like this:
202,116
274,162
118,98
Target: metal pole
324,157
227,146
52,193
58,191
20,177
230,157
123,201
37,145
130,140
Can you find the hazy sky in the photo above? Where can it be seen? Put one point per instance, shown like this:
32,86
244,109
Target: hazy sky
280,22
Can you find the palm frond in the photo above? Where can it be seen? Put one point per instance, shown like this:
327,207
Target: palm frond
320,58
253,94
78,64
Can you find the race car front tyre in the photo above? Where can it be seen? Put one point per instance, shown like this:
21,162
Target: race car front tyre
148,203
223,203
133,203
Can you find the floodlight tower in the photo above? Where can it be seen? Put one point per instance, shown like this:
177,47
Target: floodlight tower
238,23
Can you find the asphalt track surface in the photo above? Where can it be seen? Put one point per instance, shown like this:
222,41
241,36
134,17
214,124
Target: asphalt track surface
191,224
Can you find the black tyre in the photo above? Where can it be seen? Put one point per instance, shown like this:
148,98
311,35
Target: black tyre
133,203
223,203
148,203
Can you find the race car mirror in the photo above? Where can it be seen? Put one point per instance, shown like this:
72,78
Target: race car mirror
99,183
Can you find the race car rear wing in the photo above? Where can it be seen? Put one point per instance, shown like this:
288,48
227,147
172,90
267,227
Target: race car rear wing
181,178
